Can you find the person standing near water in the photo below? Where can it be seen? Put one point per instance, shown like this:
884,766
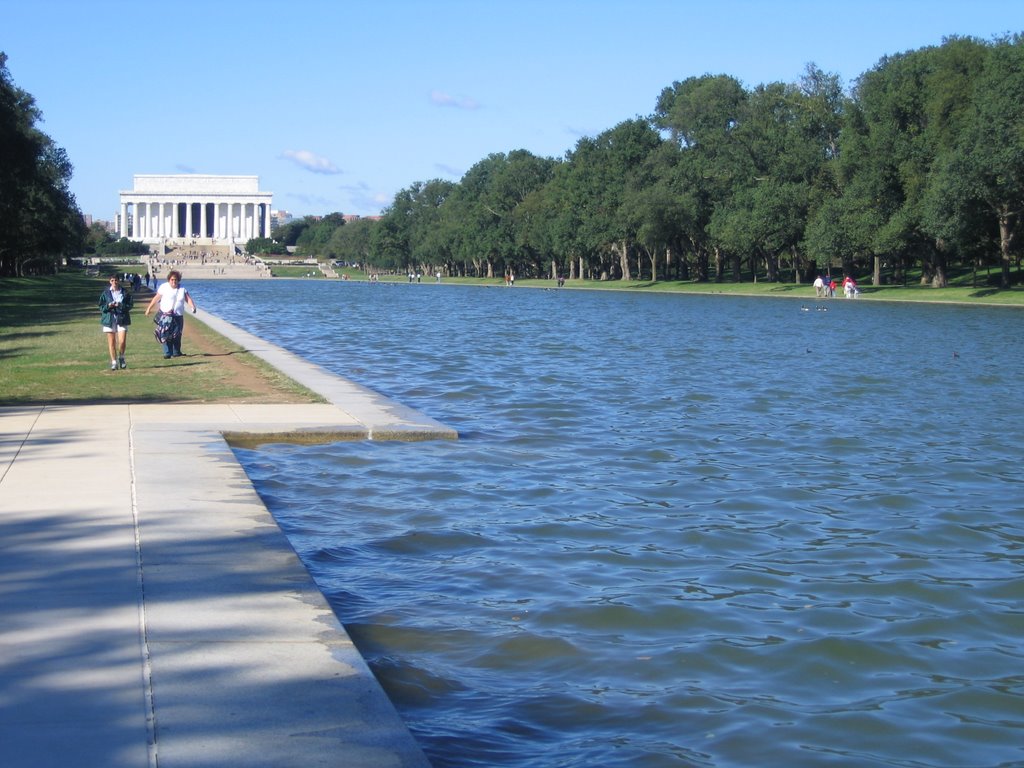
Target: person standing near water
115,306
170,319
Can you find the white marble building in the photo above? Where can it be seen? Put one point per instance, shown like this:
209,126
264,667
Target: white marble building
187,208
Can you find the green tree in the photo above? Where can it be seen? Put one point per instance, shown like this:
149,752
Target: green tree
406,236
982,172
906,115
551,221
601,172
41,222
790,135
700,115
288,234
317,234
353,242
266,246
481,213
431,246
97,237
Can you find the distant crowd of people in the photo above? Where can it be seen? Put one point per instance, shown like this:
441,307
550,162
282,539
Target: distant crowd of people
218,263
825,287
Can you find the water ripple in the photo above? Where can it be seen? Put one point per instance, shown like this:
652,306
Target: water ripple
692,546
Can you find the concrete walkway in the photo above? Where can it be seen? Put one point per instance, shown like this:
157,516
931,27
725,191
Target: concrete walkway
152,613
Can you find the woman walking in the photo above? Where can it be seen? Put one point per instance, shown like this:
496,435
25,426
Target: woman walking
170,319
115,306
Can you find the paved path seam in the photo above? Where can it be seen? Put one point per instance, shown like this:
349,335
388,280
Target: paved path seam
147,667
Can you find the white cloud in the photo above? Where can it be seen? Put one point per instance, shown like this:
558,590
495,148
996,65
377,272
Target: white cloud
310,161
442,99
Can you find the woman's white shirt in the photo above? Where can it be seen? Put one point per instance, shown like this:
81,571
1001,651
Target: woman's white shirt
172,299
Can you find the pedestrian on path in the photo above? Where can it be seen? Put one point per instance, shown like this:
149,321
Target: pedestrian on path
115,307
170,317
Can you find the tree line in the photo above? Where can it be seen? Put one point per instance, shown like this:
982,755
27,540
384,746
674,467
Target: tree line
40,222
917,169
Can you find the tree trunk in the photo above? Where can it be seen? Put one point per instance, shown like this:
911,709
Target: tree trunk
682,263
876,271
701,265
624,260
771,267
939,276
1005,241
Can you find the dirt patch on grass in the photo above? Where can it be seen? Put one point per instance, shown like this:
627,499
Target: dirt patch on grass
242,370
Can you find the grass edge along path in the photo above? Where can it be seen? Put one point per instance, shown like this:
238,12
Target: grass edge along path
53,351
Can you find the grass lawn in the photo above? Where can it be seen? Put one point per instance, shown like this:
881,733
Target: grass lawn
292,270
52,350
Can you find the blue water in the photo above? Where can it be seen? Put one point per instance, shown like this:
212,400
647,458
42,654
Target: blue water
677,530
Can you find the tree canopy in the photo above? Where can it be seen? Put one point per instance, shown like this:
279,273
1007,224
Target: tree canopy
917,168
920,165
40,223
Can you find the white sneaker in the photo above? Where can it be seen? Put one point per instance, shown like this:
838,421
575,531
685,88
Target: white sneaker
113,365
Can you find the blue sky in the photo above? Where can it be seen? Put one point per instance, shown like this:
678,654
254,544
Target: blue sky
337,105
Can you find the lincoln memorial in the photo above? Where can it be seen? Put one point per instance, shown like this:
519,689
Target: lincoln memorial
209,209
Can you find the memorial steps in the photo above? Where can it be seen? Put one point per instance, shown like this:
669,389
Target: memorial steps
207,262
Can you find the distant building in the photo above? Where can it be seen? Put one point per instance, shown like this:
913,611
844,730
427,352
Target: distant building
279,219
89,221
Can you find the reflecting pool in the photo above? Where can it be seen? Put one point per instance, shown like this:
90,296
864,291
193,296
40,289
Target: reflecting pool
677,530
